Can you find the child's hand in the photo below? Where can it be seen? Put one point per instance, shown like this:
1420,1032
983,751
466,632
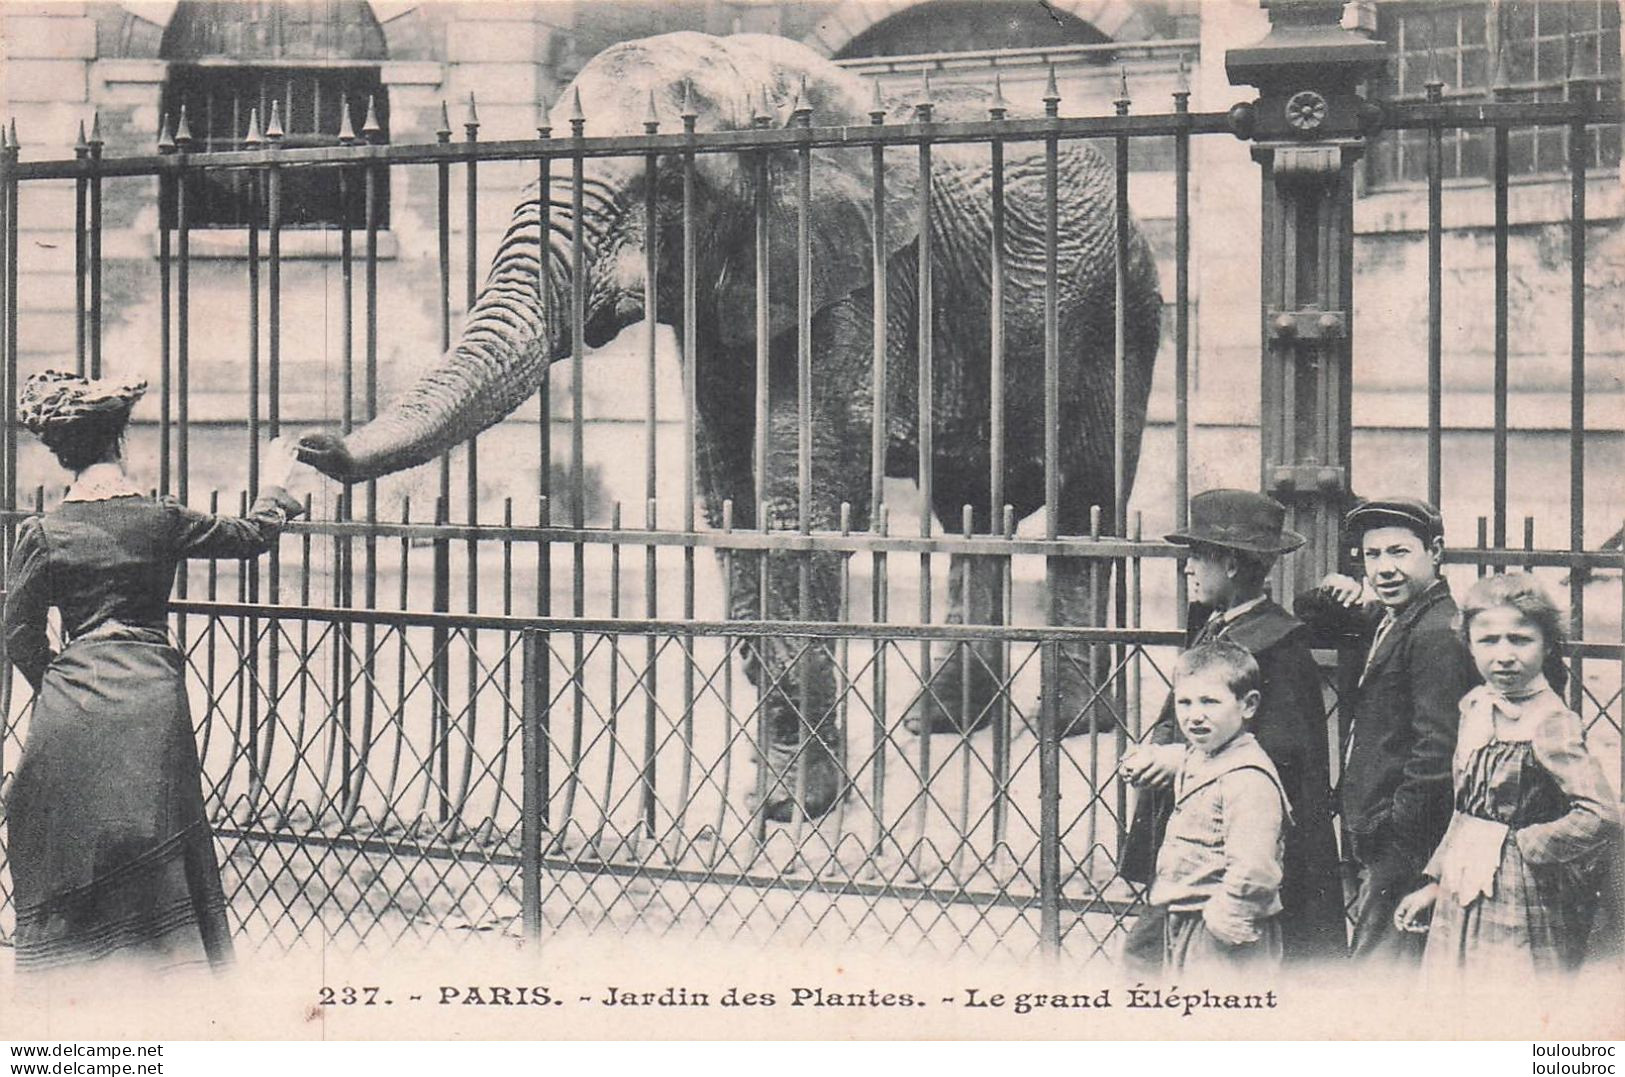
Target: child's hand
1415,910
1347,590
1152,764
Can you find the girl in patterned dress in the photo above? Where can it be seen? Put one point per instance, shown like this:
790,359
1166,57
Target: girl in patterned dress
1514,879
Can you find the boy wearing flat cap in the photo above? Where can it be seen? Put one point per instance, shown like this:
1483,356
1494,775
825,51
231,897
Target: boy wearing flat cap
1395,789
1234,538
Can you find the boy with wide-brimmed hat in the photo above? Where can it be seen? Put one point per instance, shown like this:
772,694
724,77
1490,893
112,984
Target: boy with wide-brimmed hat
1234,538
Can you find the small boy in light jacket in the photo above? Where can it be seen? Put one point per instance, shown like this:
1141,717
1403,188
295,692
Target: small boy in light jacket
1219,868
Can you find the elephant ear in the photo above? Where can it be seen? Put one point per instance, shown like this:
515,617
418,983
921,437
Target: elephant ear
726,81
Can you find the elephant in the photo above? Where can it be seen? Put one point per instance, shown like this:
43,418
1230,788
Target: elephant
521,322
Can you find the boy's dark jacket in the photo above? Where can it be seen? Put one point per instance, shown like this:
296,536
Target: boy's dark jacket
1396,787
1291,728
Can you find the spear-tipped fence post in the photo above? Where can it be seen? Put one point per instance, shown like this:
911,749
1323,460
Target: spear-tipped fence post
96,131
1182,88
371,129
922,108
273,127
183,133
255,136
1052,95
166,141
801,109
690,115
651,117
471,126
81,147
1122,101
441,133
346,125
998,108
877,107
578,118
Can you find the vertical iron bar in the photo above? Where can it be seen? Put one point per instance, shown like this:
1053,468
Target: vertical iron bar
81,185
8,394
578,459
10,326
183,353
7,438
370,195
95,250
538,676
1049,777
165,389
471,268
879,599
1119,526
924,398
1117,576
440,637
274,406
691,375
879,255
1577,387
651,297
1499,460
812,726
344,563
544,671
763,175
252,572
1182,324
253,334
878,409
1000,719
650,695
533,802
1435,301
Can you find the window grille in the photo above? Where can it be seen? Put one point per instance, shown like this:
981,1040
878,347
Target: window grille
218,101
1548,47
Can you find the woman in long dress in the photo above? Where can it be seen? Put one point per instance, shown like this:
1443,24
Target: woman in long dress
110,851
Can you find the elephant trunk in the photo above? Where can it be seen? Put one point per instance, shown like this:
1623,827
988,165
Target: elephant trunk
516,328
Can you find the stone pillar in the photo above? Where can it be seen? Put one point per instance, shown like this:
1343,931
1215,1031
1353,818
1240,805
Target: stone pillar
1307,129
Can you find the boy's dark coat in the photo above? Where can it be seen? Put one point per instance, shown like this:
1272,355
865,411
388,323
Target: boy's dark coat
1291,728
1396,788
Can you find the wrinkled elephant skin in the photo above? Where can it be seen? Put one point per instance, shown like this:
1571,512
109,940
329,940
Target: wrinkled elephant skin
520,324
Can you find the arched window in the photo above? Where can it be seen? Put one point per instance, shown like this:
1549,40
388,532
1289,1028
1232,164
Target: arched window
312,58
971,25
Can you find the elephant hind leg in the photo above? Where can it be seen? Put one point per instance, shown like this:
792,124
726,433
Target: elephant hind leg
964,687
1091,698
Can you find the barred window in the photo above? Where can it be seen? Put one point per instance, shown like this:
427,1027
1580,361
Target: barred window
1545,45
312,59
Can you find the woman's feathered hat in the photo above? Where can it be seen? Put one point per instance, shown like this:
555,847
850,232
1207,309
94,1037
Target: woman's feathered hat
52,401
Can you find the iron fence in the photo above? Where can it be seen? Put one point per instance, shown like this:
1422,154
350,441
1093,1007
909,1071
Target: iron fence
569,747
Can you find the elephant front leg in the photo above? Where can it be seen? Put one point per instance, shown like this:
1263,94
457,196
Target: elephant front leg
962,692
801,742
801,745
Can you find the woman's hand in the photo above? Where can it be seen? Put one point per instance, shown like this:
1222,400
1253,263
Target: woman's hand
1415,910
1345,589
281,457
1153,764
